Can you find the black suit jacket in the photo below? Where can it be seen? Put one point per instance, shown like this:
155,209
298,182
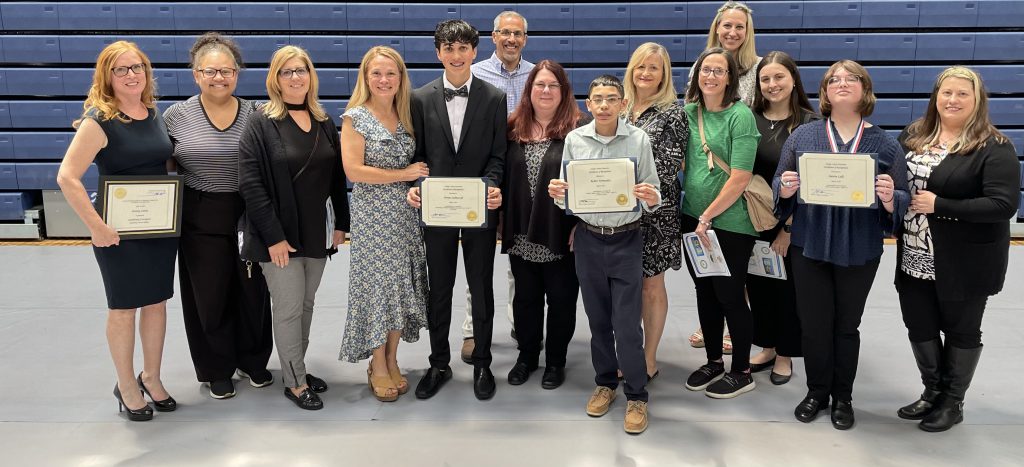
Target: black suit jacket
482,143
976,194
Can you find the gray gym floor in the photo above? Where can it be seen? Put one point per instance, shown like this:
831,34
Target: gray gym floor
57,408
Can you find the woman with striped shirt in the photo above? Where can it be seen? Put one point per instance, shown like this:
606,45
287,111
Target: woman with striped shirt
224,300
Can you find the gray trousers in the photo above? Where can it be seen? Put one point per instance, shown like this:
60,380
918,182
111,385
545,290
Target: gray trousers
292,290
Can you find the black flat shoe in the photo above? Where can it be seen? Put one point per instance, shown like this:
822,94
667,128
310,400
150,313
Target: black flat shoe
166,405
520,373
553,377
759,367
316,384
655,375
483,383
778,379
144,414
809,408
306,400
842,415
432,382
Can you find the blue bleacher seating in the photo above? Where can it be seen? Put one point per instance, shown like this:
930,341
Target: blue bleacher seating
252,83
74,110
8,176
675,44
1020,207
891,79
828,47
888,47
559,49
547,16
260,17
43,176
481,16
163,105
259,49
318,16
85,49
214,16
182,47
777,15
891,112
418,50
950,47
333,82
486,48
334,108
948,13
830,14
425,16
1022,174
88,16
925,76
358,45
30,16
601,17
917,110
376,17
811,77
581,78
3,81
5,114
601,49
328,49
789,43
1001,13
49,145
1002,79
652,16
695,44
1017,138
77,81
6,146
13,205
418,78
999,46
1006,111
699,15
39,114
889,14
35,82
168,82
32,49
144,16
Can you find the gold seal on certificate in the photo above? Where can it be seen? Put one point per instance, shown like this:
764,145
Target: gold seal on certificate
453,202
837,179
141,206
600,185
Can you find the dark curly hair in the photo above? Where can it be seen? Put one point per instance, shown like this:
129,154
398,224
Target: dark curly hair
213,41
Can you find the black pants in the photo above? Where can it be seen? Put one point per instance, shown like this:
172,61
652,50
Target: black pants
610,269
773,306
226,307
925,315
533,281
723,298
830,301
442,246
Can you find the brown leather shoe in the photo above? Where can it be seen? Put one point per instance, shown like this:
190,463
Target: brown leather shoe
636,417
467,350
600,401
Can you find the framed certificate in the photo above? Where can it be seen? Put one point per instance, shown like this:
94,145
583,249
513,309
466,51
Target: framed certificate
143,206
453,202
838,179
600,185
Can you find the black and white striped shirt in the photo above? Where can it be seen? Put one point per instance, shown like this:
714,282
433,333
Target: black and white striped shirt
207,157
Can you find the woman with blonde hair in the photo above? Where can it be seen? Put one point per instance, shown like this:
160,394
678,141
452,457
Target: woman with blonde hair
296,208
964,179
121,130
653,106
387,298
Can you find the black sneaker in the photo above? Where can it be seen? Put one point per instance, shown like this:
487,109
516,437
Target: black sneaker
731,385
259,378
705,375
222,389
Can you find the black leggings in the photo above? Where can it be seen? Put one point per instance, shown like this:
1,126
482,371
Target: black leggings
925,315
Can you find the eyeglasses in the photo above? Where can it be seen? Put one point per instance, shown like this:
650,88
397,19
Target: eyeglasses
212,72
137,68
286,73
718,72
848,79
506,33
543,86
605,100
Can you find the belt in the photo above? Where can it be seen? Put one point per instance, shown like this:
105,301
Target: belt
611,230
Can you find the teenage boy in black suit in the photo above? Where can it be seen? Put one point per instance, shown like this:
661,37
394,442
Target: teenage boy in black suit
460,127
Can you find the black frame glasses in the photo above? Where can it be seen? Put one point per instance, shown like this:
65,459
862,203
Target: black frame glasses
122,71
212,72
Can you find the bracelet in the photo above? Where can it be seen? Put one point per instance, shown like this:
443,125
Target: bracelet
890,200
701,221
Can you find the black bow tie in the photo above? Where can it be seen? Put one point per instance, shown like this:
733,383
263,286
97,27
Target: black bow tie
450,94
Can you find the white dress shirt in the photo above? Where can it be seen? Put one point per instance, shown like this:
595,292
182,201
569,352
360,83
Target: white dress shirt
457,108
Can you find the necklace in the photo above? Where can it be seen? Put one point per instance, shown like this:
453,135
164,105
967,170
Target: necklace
772,123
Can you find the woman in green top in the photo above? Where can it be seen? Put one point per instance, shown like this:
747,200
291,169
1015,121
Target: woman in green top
713,199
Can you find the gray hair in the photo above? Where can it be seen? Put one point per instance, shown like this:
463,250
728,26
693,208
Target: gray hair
497,19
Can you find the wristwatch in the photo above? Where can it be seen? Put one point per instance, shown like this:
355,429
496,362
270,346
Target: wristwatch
787,228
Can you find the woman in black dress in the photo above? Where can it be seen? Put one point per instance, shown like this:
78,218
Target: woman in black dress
121,130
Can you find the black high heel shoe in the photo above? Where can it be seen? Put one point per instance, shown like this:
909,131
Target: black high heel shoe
136,415
166,405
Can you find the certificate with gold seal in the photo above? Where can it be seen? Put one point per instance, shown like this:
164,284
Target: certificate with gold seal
600,185
453,202
143,206
838,179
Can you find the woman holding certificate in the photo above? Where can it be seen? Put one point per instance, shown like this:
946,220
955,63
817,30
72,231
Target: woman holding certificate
121,130
835,248
387,296
225,303
953,252
653,107
719,160
779,107
296,208
537,234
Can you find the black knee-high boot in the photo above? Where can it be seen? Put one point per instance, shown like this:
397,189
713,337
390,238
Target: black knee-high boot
957,373
929,362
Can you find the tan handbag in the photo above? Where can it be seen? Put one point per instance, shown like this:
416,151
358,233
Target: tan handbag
760,201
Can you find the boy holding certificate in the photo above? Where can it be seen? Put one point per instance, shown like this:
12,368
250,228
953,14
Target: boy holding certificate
609,253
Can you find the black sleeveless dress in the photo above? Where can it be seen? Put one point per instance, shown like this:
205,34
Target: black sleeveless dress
137,272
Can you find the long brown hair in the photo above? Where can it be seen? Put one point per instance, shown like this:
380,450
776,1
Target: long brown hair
522,120
866,106
100,99
732,88
798,102
924,131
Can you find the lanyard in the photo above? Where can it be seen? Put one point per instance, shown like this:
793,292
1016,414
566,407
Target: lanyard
832,139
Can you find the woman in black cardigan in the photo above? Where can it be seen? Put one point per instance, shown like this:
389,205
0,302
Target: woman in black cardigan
953,252
536,234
